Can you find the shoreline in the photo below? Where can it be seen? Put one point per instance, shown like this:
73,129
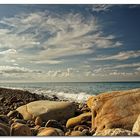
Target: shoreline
57,117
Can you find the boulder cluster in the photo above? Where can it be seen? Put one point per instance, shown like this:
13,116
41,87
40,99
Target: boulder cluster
107,114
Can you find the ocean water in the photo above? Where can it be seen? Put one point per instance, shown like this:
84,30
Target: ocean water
72,91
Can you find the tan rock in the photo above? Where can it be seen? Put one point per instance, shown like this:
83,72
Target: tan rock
118,109
47,110
80,127
18,129
77,133
136,126
78,120
49,131
38,121
90,101
115,132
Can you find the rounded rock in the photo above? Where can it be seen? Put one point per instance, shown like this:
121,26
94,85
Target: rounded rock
50,132
78,120
54,124
18,129
77,133
38,121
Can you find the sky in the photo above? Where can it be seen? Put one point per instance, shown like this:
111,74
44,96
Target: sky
69,43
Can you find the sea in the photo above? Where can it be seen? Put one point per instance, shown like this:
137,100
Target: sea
73,91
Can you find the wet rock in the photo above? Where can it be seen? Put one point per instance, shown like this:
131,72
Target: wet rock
115,132
78,120
54,124
47,110
49,131
118,109
38,121
18,129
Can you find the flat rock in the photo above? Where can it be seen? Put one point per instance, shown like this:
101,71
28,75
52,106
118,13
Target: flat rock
118,109
115,132
47,110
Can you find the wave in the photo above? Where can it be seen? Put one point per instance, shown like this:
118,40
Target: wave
77,97
71,96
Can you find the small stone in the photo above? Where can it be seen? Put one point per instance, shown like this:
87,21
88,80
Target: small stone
77,133
54,124
115,132
68,133
86,132
5,129
80,127
78,120
2,99
38,121
49,131
18,129
12,114
3,132
4,119
19,121
13,99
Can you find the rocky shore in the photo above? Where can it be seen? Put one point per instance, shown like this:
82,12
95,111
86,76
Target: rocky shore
108,114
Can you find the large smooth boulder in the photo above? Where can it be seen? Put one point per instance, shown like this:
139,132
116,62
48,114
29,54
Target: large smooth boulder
118,109
78,120
136,127
115,132
47,110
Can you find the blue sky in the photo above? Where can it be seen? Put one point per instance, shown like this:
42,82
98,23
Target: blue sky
69,43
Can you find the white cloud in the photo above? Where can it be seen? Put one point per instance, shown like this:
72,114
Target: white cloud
8,52
53,36
15,69
101,7
128,65
120,56
60,73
